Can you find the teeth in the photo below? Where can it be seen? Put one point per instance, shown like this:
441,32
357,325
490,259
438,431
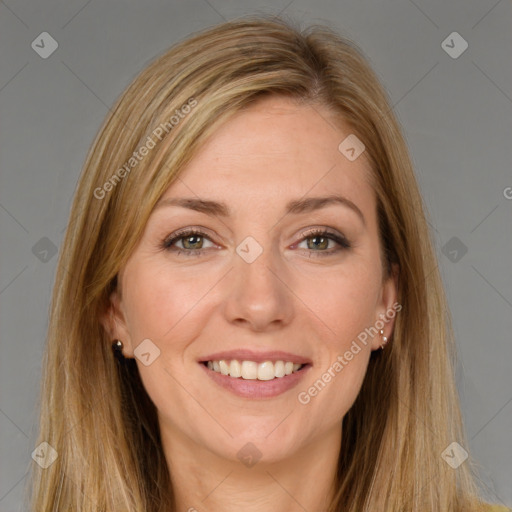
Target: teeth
279,369
251,370
235,369
224,368
266,371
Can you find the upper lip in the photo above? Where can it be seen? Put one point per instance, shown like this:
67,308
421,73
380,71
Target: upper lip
257,357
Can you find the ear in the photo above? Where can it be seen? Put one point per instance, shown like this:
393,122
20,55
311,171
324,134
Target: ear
387,308
114,322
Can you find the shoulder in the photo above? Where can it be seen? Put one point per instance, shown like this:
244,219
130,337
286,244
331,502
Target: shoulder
497,508
482,506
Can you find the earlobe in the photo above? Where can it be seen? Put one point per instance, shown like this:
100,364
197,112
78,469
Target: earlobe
388,309
384,339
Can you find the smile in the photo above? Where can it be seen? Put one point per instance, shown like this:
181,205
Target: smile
254,374
251,370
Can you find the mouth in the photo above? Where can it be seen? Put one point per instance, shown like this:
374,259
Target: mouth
252,375
252,370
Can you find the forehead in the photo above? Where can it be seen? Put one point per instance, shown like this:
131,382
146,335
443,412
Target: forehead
273,151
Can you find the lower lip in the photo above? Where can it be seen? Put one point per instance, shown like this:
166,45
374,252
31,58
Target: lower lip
248,388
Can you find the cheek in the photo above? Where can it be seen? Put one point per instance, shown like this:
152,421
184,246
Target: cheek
159,300
348,308
347,303
336,381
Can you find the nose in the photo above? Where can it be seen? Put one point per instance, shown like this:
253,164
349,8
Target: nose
258,296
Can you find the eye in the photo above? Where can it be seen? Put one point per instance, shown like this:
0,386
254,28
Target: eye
317,241
192,241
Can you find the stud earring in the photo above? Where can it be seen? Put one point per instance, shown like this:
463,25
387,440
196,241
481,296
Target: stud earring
384,339
117,347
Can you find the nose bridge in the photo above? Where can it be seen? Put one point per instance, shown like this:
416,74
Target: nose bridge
259,296
258,275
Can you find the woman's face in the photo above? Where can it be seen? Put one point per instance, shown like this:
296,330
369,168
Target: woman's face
277,273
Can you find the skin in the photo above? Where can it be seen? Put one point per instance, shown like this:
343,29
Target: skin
290,298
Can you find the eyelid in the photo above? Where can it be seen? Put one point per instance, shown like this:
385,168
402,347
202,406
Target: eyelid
319,230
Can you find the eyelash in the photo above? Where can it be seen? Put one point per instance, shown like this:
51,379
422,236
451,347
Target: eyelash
340,240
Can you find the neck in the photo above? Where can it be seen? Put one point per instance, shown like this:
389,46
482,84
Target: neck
202,480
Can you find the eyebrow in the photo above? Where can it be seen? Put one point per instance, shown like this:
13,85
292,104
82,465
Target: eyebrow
297,206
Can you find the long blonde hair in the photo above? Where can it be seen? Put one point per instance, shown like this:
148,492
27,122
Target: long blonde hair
95,411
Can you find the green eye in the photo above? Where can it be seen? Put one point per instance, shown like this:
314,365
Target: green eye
317,240
190,239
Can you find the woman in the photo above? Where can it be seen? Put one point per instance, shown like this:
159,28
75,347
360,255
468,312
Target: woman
248,236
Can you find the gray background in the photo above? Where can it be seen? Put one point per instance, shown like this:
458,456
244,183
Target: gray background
456,113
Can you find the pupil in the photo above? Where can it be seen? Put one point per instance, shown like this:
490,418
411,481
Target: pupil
191,237
320,238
